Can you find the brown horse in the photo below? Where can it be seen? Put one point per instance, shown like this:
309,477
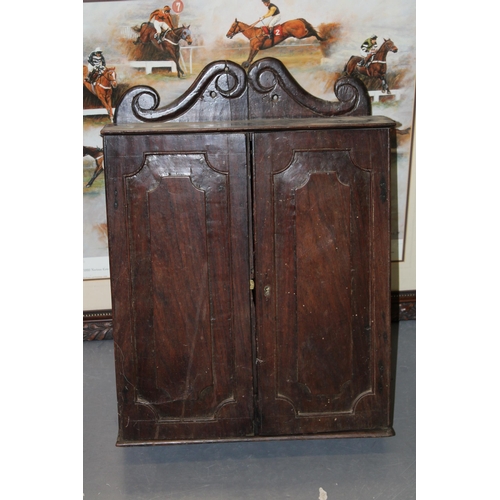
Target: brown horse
98,156
103,87
169,44
259,40
377,68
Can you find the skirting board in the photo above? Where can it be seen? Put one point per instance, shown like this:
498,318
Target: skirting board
98,325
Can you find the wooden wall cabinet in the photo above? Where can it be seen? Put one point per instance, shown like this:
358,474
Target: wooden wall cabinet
249,249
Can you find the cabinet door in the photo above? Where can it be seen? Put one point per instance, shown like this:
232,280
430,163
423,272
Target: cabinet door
178,217
322,282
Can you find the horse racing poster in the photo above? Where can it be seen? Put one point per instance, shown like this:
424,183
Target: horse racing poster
166,46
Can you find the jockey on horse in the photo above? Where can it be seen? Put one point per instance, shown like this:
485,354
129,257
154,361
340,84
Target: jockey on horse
96,65
162,21
270,19
368,49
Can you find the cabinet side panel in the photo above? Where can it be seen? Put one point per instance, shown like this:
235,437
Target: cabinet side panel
120,159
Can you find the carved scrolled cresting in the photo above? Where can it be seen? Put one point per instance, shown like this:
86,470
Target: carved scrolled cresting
140,103
266,73
353,97
267,78
269,75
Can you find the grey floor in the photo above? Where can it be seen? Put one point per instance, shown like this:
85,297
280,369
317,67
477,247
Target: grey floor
333,469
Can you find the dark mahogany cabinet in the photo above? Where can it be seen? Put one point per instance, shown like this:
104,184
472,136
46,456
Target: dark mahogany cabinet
248,227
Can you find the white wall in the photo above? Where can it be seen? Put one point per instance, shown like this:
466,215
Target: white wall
404,273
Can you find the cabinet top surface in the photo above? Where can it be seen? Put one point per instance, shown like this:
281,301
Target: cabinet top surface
255,125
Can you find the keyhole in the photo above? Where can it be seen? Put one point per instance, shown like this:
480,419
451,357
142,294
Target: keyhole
267,291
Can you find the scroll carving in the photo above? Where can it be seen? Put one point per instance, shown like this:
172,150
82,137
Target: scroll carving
228,80
270,76
140,103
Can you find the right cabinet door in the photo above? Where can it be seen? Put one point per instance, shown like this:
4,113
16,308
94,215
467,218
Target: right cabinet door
322,272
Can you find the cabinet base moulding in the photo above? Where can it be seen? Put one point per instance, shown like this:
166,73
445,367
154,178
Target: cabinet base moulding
370,433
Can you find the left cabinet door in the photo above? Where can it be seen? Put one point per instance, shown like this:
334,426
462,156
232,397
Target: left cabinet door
179,255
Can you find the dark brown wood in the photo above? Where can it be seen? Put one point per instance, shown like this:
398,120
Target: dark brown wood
98,325
274,93
223,92
249,258
218,93
324,314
